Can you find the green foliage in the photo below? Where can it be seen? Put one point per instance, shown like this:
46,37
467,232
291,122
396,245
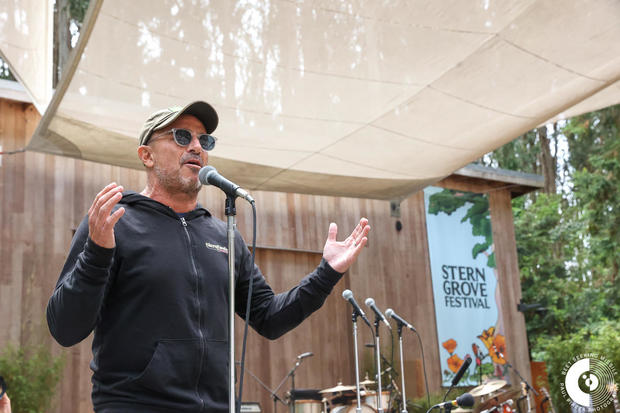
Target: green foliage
448,201
569,242
77,10
5,72
31,375
601,338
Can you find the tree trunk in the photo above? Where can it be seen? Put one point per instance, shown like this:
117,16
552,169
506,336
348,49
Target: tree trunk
62,38
548,161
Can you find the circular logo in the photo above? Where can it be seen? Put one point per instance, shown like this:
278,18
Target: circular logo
589,381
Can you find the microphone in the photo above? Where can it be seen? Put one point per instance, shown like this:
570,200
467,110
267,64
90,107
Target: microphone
348,295
465,400
390,313
461,371
304,355
208,175
371,304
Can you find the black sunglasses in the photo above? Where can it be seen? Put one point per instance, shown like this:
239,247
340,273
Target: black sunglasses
183,137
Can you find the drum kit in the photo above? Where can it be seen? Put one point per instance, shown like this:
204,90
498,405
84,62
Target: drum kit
341,398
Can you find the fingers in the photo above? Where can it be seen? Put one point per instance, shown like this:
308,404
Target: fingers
113,219
333,232
361,230
101,194
100,220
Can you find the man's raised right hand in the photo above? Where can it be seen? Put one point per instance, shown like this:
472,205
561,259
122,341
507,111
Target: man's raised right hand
100,221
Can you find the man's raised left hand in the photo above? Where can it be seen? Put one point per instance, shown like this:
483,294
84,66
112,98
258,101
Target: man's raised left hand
340,255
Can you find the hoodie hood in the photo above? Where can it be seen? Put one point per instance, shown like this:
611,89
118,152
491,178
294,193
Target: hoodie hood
135,199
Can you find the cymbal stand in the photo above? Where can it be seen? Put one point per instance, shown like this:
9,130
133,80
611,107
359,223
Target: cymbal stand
378,356
358,409
526,386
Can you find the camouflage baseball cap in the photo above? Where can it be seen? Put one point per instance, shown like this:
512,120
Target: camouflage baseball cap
162,118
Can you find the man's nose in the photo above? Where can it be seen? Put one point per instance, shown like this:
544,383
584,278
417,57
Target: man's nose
194,145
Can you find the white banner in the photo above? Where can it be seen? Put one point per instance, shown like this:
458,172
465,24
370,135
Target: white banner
465,284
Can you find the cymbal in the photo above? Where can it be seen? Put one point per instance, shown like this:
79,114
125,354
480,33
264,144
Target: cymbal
461,410
488,387
367,382
339,388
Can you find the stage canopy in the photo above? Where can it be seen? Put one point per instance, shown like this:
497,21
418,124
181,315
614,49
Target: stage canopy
363,98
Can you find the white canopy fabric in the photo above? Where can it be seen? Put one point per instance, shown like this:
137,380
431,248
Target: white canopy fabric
363,98
26,44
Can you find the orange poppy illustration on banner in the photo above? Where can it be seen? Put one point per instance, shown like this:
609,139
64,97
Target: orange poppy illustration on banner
449,345
454,363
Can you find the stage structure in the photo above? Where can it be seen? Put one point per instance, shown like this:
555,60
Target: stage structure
43,197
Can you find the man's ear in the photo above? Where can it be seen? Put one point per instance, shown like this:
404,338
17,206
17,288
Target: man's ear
145,155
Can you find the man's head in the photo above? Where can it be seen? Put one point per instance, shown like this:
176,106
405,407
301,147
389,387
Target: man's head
174,144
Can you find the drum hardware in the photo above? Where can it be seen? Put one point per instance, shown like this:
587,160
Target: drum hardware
339,388
525,395
504,407
488,388
526,386
547,399
367,381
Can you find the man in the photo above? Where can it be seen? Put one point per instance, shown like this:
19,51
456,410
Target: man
148,273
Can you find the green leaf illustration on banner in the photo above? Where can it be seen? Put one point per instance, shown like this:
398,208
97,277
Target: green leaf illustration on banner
448,201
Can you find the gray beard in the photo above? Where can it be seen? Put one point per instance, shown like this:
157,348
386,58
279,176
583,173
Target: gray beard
174,184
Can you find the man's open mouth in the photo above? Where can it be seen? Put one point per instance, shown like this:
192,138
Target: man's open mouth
193,163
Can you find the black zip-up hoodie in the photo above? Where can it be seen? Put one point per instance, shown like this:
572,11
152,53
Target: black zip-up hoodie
158,305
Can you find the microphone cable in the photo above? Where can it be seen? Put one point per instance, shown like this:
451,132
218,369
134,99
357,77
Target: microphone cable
247,311
392,366
428,395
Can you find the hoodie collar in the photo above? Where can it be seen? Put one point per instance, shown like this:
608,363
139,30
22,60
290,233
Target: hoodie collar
134,198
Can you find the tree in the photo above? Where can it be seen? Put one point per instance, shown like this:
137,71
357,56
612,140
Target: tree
568,237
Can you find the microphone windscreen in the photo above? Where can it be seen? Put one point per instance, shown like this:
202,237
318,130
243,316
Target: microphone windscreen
369,301
389,312
346,294
204,172
465,400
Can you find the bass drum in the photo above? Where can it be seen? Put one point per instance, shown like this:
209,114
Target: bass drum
370,398
308,406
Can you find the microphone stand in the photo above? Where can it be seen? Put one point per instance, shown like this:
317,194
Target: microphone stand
358,409
231,211
528,388
402,366
290,374
378,355
273,393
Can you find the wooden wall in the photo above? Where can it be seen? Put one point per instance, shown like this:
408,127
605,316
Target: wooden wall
44,197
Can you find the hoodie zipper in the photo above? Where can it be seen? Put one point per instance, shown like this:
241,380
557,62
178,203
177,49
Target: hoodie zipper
195,271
